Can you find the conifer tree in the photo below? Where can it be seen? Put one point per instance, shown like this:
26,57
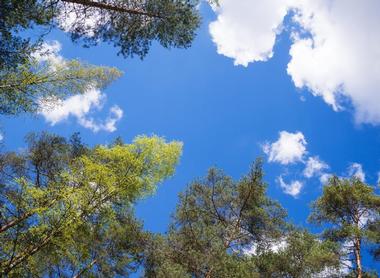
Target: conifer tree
351,207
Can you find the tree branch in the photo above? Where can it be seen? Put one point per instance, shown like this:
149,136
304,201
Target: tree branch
87,267
109,7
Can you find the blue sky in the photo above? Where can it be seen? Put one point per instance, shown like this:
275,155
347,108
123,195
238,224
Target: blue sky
225,113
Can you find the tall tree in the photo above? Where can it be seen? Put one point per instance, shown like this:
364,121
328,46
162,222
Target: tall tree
53,196
351,207
215,220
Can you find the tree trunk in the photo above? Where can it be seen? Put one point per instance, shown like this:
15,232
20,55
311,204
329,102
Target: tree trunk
357,245
358,258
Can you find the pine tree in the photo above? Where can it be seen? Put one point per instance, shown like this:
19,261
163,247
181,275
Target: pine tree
350,207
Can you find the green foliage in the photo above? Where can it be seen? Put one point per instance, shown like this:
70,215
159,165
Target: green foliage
17,16
374,229
131,26
31,85
103,246
70,209
352,208
298,254
215,220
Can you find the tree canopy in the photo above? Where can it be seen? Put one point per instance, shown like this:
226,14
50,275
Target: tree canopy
131,26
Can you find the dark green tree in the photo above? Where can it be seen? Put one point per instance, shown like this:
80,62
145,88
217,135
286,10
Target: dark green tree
131,26
16,17
226,228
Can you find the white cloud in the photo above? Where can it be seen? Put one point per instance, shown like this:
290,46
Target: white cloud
378,178
289,148
314,167
356,170
49,53
108,125
341,58
293,188
246,30
79,106
334,52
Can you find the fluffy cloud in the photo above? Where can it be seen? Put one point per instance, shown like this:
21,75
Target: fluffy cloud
79,106
246,30
334,53
289,148
293,188
314,167
108,125
356,170
341,57
49,53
